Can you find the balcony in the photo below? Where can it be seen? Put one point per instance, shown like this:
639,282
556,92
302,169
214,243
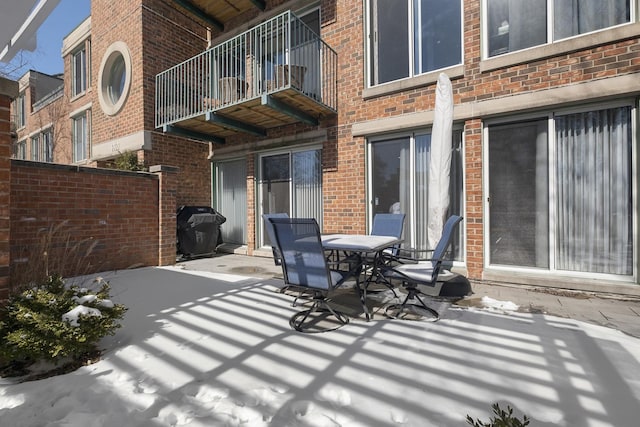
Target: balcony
278,73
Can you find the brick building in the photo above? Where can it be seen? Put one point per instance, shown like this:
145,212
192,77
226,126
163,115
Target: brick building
36,117
325,109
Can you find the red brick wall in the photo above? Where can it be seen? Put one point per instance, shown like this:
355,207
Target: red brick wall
158,37
194,168
115,211
474,200
113,21
344,187
167,213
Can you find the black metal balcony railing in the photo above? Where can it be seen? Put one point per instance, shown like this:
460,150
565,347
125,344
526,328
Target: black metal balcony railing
281,53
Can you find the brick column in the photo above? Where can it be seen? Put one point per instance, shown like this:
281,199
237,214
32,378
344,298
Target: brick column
8,91
473,217
167,192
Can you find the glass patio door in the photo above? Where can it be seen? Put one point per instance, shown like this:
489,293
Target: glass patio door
561,192
390,179
231,200
399,183
290,182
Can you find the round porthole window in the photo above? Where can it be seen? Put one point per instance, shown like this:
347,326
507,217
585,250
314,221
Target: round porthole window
114,78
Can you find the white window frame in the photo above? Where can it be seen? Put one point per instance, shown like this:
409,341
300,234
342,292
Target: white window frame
86,115
79,55
46,153
369,37
116,54
20,112
550,41
21,150
551,271
35,147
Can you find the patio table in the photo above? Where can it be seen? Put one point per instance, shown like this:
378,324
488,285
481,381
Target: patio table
360,244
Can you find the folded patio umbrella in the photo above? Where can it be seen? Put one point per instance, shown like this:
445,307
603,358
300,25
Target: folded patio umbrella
440,161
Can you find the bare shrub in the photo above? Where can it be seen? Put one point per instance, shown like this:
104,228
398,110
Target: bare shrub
58,249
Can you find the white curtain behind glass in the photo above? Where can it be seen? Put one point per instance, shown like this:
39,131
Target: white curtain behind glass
79,138
404,190
307,185
573,17
232,200
522,22
423,158
594,226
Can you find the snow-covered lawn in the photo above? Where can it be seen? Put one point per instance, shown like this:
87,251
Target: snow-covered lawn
204,349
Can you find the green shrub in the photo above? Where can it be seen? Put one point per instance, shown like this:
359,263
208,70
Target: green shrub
128,161
502,419
53,322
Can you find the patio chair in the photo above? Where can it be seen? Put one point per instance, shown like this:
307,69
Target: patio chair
277,257
384,224
306,268
415,274
388,224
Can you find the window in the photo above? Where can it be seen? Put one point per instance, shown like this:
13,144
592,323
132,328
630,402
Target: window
21,150
47,146
20,110
114,79
79,72
35,148
291,182
412,37
399,177
560,192
80,137
513,25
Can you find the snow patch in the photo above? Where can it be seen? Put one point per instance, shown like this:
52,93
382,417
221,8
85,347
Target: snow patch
495,304
73,316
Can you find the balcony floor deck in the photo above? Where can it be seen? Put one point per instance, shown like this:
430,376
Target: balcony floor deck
291,105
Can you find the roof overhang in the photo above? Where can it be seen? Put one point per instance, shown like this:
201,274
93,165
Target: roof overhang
19,22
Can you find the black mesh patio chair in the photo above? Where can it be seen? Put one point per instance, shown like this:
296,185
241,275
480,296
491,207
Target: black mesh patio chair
277,257
388,224
384,224
413,273
306,269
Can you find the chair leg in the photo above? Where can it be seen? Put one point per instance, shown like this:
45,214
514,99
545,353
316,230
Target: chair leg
299,293
320,305
381,280
362,295
395,311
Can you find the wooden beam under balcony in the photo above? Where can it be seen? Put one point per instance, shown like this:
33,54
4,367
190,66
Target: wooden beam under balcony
186,4
255,116
188,133
229,123
289,110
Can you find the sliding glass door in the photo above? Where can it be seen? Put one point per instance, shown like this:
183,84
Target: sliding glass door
290,182
399,183
560,192
231,199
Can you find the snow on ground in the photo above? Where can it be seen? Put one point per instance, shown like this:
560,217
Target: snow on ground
204,349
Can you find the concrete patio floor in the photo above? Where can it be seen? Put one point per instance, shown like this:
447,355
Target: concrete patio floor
614,311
